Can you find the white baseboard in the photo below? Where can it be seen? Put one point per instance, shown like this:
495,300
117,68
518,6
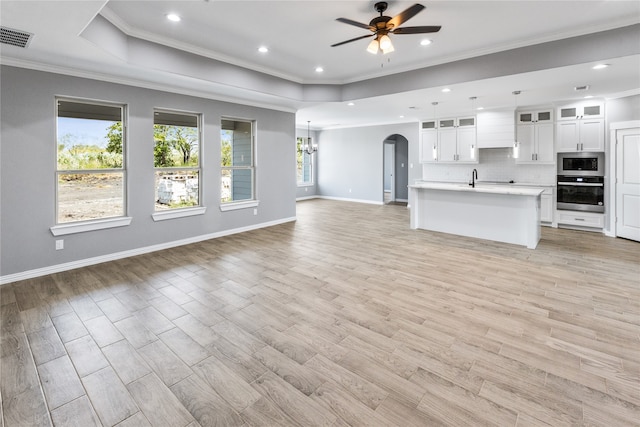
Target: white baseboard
30,274
344,199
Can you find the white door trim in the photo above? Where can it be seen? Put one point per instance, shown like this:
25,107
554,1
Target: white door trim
392,162
613,172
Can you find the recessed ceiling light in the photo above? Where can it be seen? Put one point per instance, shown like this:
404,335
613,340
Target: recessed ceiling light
600,66
319,69
480,108
588,97
351,104
425,42
402,117
173,17
446,89
263,49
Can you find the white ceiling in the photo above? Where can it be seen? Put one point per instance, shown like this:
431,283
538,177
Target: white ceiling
299,34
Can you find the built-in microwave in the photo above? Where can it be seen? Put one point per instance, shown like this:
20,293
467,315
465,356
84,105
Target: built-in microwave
581,164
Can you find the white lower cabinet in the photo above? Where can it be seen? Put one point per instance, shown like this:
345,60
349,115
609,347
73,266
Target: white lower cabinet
580,219
546,205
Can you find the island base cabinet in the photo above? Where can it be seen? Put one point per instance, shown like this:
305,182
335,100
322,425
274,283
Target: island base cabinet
504,218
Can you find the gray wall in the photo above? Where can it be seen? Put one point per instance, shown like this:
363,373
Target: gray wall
350,161
28,163
622,109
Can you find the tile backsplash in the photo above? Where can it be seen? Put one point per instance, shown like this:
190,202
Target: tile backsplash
495,164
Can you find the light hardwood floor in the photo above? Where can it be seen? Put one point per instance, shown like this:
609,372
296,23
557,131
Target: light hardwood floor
345,317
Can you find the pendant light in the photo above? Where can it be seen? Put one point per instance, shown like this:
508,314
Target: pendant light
472,148
516,144
310,149
435,144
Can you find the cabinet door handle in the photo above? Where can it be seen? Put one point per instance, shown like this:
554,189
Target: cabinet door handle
579,219
577,147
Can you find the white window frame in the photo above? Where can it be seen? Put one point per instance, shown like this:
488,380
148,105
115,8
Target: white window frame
244,203
300,143
181,212
64,228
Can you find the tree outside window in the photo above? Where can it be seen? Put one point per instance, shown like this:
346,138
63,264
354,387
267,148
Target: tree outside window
90,173
176,157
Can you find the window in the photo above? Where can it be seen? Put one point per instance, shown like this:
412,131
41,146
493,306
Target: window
237,161
90,173
176,157
304,162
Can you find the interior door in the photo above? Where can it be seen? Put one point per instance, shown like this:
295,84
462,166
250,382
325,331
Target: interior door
628,183
389,172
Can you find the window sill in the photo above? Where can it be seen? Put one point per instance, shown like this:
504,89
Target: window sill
178,213
233,206
81,227
305,184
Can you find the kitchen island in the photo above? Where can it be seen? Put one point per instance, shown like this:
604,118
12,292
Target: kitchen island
501,213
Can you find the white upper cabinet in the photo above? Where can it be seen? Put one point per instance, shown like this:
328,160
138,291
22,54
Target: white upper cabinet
428,145
535,137
457,140
580,127
580,135
451,140
588,110
542,116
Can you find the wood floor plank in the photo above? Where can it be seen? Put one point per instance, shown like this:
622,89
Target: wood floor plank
226,383
109,397
26,409
301,377
45,345
291,401
69,327
60,382
366,391
77,413
184,346
158,404
345,316
204,404
17,368
125,360
164,362
86,356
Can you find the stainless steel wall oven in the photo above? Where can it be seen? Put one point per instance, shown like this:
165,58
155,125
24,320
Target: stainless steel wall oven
580,182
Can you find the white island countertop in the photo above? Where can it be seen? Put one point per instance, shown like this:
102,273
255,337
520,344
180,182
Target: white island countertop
481,188
502,212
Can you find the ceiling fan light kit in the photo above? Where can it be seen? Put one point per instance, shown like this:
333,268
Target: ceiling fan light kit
381,26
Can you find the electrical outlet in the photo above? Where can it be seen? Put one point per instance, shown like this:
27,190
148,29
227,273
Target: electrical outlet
255,211
59,244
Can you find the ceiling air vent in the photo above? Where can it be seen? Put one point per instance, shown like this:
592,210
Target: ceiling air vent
578,88
14,37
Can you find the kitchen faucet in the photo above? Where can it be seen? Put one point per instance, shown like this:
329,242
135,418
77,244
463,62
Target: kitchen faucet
474,176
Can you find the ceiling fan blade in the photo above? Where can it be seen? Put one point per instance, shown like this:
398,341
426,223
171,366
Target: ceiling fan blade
417,30
409,13
356,24
352,40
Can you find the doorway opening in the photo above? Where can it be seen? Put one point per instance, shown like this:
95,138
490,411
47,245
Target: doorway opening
395,170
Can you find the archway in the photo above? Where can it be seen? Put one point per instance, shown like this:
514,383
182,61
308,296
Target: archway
395,170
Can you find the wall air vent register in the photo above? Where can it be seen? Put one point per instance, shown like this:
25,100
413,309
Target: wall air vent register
14,37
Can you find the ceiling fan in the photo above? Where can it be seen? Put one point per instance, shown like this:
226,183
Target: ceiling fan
381,26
